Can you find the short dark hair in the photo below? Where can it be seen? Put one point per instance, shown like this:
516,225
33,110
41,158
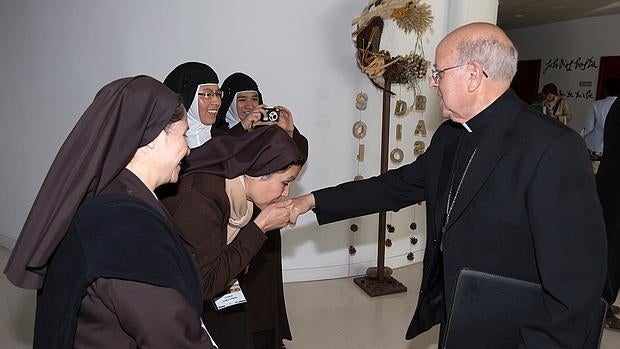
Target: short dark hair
550,88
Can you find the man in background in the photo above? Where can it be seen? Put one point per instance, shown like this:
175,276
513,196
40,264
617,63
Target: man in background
595,119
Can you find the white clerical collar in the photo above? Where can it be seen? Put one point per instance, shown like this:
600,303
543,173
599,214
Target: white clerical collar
467,127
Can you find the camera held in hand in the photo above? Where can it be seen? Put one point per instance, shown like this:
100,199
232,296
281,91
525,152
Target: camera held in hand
271,115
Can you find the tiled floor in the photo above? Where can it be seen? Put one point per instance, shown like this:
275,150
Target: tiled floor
323,314
16,312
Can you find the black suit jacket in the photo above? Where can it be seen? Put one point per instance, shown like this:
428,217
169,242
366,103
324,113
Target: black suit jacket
609,169
609,193
527,209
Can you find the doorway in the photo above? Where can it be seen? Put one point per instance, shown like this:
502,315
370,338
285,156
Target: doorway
525,82
609,67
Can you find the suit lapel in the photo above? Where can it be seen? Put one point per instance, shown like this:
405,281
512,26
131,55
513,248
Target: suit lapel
490,150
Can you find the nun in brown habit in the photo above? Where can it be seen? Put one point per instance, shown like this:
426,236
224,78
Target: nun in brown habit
266,307
197,83
110,269
242,106
222,182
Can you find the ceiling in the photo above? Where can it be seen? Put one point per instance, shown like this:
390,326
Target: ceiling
525,13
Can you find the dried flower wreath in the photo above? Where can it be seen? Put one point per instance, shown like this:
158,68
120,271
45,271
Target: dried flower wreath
410,16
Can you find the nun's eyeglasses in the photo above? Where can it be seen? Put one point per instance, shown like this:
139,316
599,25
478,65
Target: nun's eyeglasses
209,94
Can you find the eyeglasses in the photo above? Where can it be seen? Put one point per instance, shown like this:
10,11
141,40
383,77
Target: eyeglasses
209,94
437,75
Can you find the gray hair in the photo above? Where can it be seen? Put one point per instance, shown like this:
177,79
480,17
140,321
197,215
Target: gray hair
498,59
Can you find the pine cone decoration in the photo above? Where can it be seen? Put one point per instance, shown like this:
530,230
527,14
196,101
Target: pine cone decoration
407,69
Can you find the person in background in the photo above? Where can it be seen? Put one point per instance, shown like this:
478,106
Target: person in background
595,119
538,103
507,193
241,99
609,194
221,184
197,83
110,269
557,107
242,106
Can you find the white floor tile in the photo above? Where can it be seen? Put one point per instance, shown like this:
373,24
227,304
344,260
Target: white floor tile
323,314
611,340
310,332
16,316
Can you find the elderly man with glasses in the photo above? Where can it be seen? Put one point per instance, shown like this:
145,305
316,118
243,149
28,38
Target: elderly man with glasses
508,192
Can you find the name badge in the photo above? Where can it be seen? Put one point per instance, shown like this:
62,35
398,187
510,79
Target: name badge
233,297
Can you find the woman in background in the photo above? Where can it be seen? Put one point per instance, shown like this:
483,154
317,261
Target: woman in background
242,108
197,83
241,98
556,106
111,270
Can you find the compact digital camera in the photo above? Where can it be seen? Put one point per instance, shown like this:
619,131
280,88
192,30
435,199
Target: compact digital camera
271,115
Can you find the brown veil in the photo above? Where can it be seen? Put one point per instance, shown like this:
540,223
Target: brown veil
256,153
124,116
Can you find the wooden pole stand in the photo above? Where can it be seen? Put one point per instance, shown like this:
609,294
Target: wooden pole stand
382,285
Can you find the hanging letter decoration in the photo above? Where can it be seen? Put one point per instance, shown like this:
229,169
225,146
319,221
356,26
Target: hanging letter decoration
418,148
359,129
361,101
360,153
420,129
397,155
401,108
420,103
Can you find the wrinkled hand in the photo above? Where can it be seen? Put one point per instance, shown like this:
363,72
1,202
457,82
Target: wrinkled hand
299,206
274,216
285,121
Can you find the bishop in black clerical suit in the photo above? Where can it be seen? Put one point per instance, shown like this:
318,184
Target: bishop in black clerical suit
507,191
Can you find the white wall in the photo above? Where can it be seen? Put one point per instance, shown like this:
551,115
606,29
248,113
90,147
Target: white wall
582,38
57,54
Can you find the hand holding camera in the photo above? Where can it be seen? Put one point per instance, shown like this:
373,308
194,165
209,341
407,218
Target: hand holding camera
264,115
272,115
285,120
